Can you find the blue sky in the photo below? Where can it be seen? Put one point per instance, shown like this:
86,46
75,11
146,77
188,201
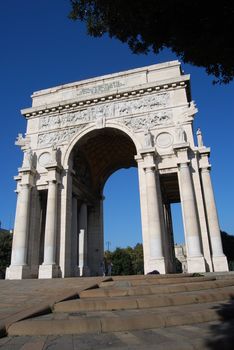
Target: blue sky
40,48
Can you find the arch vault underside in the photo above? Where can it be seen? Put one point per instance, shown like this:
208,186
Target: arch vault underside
78,135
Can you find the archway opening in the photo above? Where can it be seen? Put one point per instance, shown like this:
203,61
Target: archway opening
95,157
175,252
122,221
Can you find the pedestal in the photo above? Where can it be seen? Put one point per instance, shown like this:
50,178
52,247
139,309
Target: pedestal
220,263
18,272
196,264
156,264
48,271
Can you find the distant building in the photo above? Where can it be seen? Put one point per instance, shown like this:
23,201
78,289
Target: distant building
181,255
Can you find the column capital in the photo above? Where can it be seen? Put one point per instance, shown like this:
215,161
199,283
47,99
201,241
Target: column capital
27,178
183,164
204,160
149,168
26,185
181,152
205,169
52,181
151,150
54,174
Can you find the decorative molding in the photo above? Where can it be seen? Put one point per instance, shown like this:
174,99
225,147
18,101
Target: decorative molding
102,94
148,122
105,111
164,140
23,142
44,159
57,137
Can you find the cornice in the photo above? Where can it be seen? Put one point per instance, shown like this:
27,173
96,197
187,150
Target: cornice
123,93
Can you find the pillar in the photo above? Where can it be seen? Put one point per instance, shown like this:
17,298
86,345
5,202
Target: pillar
195,258
19,268
218,258
74,239
155,228
83,254
49,269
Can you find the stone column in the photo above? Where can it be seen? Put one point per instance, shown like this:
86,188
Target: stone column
83,226
18,268
218,258
155,228
74,238
49,269
196,261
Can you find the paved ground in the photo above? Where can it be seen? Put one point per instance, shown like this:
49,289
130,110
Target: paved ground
212,335
18,299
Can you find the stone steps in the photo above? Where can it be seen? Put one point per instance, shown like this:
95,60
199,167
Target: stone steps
154,280
144,302
120,289
124,320
137,303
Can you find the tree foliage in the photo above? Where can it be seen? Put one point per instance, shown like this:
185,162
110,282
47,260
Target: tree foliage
228,248
126,261
199,32
5,251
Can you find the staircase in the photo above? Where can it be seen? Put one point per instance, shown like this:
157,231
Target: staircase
125,303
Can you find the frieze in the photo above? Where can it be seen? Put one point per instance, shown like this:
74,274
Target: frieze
150,121
57,137
106,111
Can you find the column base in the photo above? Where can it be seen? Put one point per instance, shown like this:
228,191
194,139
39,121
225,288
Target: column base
76,271
48,271
84,271
155,265
220,263
17,272
196,264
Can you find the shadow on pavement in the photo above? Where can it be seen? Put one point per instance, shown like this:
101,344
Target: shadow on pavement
223,332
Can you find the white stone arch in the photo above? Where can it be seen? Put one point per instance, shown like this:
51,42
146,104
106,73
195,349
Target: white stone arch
89,128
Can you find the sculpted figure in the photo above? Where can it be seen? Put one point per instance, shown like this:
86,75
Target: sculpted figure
28,158
54,154
148,138
199,138
180,134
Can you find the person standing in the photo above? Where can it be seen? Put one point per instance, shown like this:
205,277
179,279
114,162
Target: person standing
103,267
109,268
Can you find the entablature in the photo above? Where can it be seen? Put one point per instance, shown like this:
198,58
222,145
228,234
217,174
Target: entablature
73,105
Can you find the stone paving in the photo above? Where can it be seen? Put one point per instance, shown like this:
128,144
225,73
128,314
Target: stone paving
211,335
19,299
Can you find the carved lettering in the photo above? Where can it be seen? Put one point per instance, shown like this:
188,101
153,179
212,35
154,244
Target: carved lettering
98,89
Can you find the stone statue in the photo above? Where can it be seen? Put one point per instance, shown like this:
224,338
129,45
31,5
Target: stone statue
199,138
28,158
20,141
148,138
180,134
54,152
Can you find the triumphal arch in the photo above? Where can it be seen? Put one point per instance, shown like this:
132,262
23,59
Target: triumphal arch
79,134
